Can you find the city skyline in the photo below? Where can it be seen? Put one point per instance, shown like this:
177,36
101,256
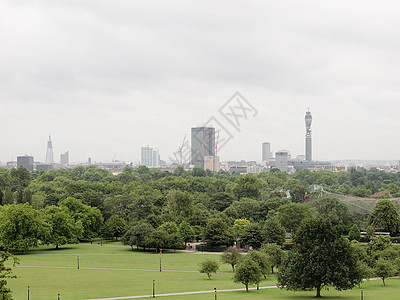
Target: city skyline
118,77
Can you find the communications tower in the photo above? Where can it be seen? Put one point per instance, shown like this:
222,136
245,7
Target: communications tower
308,120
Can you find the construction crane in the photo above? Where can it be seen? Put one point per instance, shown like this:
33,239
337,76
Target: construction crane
216,144
206,143
180,148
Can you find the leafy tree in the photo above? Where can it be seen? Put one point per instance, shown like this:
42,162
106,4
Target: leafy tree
186,232
248,186
320,257
6,272
216,233
231,256
370,233
384,268
385,216
298,194
291,215
253,236
263,261
21,227
63,229
208,266
329,206
1,197
239,226
116,226
275,252
274,232
247,272
179,205
27,196
157,239
8,197
220,201
19,195
354,233
90,217
136,235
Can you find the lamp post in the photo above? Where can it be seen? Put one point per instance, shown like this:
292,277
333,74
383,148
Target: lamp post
154,288
78,262
58,297
362,294
215,293
28,292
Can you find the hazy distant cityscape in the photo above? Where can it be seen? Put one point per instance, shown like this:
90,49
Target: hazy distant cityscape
203,153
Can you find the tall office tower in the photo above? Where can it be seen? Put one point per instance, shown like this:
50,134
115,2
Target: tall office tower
308,119
282,157
266,151
150,157
26,161
64,158
49,152
203,144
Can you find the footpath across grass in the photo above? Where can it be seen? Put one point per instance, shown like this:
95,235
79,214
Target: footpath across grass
113,270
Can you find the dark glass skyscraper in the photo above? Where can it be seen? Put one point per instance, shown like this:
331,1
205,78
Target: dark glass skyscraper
203,144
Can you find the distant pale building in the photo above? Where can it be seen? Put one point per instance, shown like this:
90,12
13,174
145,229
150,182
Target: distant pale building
308,121
282,158
26,161
64,158
49,152
266,151
203,144
211,163
150,157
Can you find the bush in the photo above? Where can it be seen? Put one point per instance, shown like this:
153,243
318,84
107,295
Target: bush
208,248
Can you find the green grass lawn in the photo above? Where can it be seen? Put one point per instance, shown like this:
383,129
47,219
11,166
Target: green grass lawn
177,276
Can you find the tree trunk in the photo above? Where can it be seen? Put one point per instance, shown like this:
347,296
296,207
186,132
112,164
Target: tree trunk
209,276
318,292
57,246
247,288
116,239
233,268
272,269
383,279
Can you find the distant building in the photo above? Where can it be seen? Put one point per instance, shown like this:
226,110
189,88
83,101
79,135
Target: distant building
45,167
26,161
211,163
49,152
64,158
266,151
203,144
150,157
308,120
282,158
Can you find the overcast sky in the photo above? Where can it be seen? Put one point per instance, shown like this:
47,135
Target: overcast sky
106,77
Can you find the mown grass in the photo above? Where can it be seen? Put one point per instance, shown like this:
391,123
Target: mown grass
179,275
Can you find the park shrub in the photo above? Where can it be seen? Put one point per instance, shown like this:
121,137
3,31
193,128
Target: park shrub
208,248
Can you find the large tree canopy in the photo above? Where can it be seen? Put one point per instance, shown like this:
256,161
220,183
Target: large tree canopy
385,216
320,258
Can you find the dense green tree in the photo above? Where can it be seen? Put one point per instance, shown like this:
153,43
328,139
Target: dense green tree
116,226
5,273
208,266
384,269
370,233
385,216
63,228
220,201
21,227
157,239
216,233
8,197
1,197
298,193
136,235
274,232
247,272
231,256
275,252
329,206
354,233
253,236
186,232
262,260
248,186
291,215
90,217
239,226
320,258
179,205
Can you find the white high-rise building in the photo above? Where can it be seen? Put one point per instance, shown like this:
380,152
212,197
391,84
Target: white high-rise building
49,152
150,157
266,151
